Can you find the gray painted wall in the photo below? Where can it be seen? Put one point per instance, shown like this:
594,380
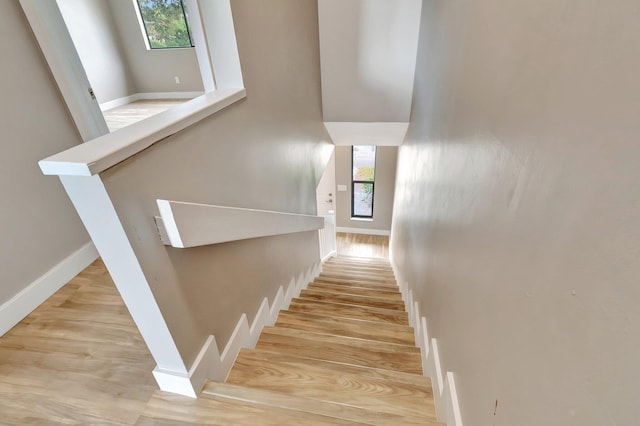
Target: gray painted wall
95,36
39,227
385,178
517,217
154,70
267,152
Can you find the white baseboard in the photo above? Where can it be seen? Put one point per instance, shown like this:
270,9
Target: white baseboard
329,255
444,389
148,95
363,231
22,304
211,364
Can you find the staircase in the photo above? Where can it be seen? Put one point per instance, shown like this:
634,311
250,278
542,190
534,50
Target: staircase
343,353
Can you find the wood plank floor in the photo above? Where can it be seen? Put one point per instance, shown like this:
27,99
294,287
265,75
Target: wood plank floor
79,359
125,115
361,245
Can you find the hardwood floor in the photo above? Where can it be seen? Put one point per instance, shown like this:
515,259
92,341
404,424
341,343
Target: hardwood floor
77,359
361,245
332,358
133,112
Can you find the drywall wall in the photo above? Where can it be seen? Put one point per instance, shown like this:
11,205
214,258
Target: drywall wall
368,51
385,177
326,190
266,152
96,39
154,70
38,224
517,215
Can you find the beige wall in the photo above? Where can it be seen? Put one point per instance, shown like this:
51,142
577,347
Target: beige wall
96,39
386,158
517,216
266,152
38,225
154,70
326,189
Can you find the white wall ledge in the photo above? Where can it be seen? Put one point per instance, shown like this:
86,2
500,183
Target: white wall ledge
97,155
192,225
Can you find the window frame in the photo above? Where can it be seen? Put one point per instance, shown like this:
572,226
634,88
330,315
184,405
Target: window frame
145,32
371,182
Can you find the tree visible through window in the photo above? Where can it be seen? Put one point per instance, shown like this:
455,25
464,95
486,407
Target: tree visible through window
363,161
166,23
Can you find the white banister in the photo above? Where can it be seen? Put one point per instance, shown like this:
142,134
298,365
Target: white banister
191,225
327,237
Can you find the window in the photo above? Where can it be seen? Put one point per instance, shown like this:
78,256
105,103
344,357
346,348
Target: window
165,23
363,164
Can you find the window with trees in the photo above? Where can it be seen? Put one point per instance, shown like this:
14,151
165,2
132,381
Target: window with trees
363,164
165,23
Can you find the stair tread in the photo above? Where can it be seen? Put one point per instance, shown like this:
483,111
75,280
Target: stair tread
373,277
374,394
347,350
307,405
350,311
352,299
362,260
365,270
349,281
392,333
358,291
170,409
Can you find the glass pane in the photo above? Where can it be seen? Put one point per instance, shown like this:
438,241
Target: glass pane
165,23
364,162
363,199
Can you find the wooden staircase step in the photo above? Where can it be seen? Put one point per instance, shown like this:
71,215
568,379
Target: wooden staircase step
328,267
361,283
375,394
391,333
350,299
359,261
175,410
360,277
349,311
306,405
357,290
348,350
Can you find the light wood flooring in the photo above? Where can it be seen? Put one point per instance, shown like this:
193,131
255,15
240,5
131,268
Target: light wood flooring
342,353
133,112
361,245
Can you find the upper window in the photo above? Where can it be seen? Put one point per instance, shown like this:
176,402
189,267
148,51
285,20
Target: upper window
363,162
165,23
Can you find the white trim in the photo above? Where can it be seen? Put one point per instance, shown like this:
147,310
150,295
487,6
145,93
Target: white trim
371,133
192,224
105,106
363,231
97,155
329,255
452,414
19,306
199,37
211,364
444,389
